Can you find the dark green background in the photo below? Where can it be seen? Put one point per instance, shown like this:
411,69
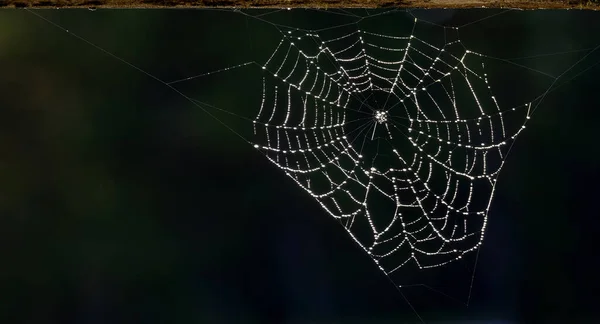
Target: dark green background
122,202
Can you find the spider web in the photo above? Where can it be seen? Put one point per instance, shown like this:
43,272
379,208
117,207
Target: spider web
399,139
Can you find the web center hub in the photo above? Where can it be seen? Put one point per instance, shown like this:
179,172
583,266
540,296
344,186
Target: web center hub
381,116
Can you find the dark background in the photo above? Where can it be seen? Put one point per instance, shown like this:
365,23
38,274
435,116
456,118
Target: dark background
121,201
